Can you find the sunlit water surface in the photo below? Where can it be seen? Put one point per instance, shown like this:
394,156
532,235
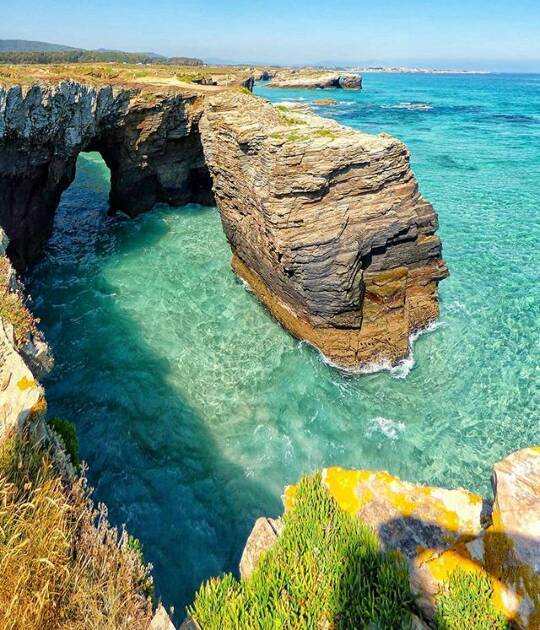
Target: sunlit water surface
194,408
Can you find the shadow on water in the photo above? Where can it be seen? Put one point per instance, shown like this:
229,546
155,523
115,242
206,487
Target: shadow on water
152,459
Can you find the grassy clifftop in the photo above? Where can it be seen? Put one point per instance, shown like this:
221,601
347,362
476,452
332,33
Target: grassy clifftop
62,566
327,570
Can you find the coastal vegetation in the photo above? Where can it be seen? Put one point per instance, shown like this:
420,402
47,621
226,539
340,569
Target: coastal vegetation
91,56
326,570
62,565
466,601
102,72
13,309
67,433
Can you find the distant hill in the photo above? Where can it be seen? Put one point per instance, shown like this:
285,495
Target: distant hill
21,51
25,45
146,54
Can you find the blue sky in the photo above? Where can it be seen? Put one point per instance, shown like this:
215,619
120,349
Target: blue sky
488,34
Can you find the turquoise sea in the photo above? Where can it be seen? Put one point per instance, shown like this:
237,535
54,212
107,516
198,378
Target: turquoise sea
194,408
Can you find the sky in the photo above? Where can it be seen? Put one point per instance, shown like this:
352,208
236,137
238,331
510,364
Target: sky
499,35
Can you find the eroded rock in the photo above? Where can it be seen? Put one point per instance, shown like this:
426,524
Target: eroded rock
326,224
149,140
316,80
327,227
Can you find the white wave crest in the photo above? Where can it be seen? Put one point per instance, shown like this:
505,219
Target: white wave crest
420,107
400,370
388,427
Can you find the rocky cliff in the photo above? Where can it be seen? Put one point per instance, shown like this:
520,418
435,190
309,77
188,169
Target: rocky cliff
148,140
327,227
24,357
439,531
326,224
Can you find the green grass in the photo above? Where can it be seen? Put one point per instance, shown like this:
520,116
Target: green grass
324,133
66,431
325,571
466,602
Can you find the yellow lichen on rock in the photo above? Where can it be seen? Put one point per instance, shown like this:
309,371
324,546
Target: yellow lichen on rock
26,383
342,484
289,496
441,566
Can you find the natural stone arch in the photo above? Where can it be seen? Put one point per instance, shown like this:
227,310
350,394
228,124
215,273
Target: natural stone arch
326,224
150,144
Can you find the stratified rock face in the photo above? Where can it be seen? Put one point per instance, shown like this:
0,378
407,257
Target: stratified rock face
327,227
326,224
314,81
150,143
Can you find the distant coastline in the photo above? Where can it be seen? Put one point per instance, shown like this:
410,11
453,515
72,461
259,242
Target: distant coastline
406,70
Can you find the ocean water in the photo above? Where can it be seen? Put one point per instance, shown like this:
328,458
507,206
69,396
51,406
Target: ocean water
194,408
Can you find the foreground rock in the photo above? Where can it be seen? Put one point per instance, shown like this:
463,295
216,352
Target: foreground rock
326,226
439,531
22,361
264,534
316,80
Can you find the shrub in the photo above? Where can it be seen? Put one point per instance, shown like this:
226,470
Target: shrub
67,433
62,565
325,571
12,306
466,602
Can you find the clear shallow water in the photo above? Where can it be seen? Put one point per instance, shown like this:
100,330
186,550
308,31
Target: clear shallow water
194,408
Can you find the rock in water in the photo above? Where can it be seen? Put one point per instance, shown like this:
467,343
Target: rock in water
316,80
327,227
326,224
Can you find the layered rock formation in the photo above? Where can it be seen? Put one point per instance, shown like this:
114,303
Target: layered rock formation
326,224
148,140
327,227
439,531
316,80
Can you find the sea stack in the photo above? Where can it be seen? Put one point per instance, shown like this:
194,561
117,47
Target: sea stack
327,227
325,224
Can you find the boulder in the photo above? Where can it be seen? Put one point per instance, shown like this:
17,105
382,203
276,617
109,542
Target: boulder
162,621
262,538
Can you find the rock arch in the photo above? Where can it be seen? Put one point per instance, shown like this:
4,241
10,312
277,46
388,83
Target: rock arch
326,224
